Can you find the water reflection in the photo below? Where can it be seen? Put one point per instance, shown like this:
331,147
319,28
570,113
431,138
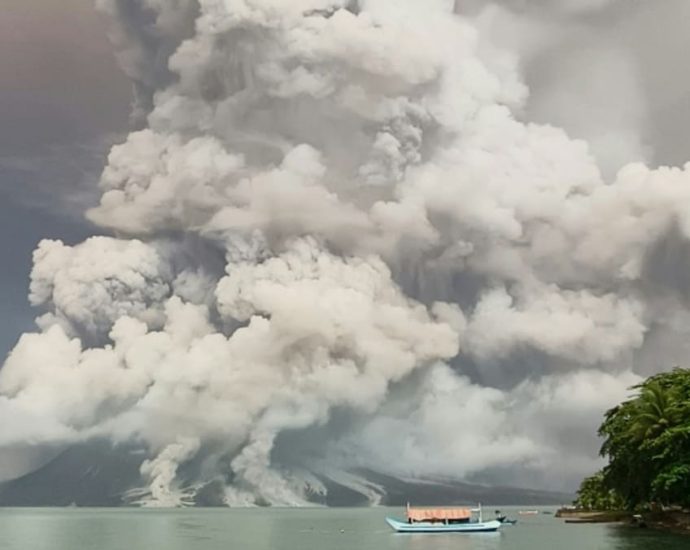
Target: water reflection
457,541
628,538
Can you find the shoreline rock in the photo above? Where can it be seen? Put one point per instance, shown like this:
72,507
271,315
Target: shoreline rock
671,521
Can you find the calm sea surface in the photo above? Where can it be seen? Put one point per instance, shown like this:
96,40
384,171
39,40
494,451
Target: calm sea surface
294,529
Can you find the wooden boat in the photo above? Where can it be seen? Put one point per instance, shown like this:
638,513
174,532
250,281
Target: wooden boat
443,520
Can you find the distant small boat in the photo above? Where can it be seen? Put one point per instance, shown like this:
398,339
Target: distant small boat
528,512
443,520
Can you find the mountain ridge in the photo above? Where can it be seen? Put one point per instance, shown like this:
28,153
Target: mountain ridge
98,475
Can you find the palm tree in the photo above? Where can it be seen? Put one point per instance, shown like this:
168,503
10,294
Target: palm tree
655,411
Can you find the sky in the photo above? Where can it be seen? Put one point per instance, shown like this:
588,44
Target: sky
62,97
316,233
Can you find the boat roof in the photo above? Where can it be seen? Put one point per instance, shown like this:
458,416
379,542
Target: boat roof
422,514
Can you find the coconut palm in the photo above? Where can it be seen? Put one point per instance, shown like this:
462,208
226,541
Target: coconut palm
655,411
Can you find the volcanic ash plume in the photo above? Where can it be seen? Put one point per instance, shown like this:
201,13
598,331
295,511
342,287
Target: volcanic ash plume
337,248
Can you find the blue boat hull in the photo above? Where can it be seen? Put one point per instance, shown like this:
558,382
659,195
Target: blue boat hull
428,527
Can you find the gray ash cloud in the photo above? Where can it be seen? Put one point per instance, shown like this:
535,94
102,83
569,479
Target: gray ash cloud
338,246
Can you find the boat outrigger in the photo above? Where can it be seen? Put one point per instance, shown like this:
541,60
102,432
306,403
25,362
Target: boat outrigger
443,520
504,519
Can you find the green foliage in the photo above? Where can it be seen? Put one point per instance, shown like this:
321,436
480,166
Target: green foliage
647,442
595,495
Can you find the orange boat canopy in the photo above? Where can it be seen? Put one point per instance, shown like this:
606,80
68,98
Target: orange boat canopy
438,514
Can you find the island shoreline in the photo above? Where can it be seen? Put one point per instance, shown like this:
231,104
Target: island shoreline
672,521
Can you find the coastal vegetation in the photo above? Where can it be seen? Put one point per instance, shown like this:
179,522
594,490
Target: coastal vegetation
647,444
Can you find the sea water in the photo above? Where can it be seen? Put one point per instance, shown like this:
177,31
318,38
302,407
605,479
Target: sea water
297,529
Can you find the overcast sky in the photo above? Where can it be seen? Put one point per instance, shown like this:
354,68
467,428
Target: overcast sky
61,96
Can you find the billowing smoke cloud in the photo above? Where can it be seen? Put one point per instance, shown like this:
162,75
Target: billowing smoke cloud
582,77
338,246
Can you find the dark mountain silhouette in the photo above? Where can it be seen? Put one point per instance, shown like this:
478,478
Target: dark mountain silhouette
98,474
